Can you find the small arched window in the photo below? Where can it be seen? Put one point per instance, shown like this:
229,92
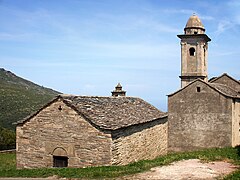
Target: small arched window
192,51
60,158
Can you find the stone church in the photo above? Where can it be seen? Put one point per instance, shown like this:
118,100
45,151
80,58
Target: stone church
80,131
202,114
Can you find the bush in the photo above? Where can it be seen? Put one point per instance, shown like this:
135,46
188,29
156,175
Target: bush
7,139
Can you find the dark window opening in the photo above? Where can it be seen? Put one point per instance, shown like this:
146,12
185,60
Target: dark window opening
192,52
195,32
60,108
60,161
198,89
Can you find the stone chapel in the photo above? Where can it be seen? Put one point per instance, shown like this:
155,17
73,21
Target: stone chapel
81,131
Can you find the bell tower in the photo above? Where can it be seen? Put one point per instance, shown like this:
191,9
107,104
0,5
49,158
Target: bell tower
194,51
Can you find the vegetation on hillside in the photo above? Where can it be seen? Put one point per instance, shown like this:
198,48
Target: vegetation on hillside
7,139
19,98
8,168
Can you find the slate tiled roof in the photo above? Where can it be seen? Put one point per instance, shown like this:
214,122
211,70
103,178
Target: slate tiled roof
114,112
226,90
213,79
109,113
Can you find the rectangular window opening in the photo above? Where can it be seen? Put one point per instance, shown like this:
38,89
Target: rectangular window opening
198,89
60,161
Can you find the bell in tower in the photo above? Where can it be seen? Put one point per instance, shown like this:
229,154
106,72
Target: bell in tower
194,51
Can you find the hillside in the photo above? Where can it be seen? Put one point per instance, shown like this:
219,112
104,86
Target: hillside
19,98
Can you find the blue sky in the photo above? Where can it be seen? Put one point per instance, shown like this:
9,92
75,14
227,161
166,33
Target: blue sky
85,47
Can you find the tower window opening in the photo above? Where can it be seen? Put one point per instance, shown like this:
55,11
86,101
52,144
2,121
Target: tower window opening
192,52
198,89
195,32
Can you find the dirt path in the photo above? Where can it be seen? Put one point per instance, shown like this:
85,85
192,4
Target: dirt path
186,169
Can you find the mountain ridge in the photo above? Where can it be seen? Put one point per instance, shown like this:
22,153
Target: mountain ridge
20,97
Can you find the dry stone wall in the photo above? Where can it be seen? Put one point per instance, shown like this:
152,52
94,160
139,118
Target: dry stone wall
143,141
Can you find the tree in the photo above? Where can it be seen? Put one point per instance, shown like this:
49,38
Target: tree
7,139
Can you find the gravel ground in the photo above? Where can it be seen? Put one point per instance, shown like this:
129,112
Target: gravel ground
186,169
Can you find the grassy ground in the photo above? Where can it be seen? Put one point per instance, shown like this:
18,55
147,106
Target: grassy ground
8,169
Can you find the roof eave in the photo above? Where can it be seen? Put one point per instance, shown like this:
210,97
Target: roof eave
181,36
132,125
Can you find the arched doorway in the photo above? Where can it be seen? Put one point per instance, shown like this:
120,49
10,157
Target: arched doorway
60,158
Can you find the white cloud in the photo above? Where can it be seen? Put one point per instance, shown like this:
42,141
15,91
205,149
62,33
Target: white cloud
234,13
219,54
26,37
179,11
10,36
223,26
88,88
205,17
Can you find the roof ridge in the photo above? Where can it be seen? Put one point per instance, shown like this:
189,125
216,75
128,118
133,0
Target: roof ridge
224,85
224,74
95,96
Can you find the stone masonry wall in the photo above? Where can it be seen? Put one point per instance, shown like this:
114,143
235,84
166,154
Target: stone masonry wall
236,123
199,119
64,129
144,141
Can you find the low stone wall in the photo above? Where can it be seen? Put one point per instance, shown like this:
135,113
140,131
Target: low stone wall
8,151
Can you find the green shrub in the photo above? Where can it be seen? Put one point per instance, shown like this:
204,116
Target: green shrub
7,139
